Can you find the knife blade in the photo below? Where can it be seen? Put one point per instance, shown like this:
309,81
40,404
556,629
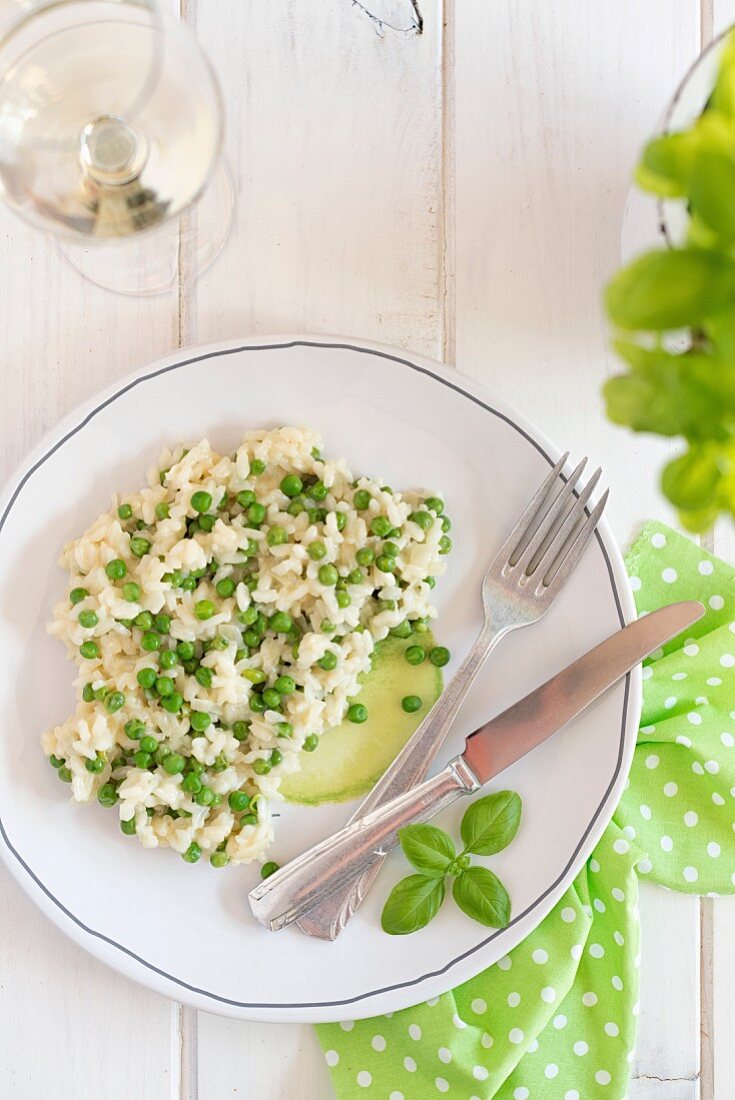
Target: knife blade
489,750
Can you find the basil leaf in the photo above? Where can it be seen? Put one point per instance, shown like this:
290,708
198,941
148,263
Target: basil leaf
666,165
411,904
711,190
490,824
691,480
428,849
481,895
671,289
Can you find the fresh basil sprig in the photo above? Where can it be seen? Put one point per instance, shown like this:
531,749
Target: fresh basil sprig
487,827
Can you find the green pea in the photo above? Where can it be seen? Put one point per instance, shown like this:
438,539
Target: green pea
380,526
162,623
201,501
257,466
144,620
257,704
107,794
340,520
189,583
420,627
365,556
88,693
446,524
356,576
173,702
256,514
248,616
190,667
284,729
204,797
77,595
327,626
125,511
204,676
164,685
272,698
186,650
55,762
430,582
206,523
88,619
219,859
142,758
281,622
385,564
423,519
192,526
276,758
436,504
254,675
135,729
114,701
361,499
445,544
95,765
200,720
131,592
415,654
128,827
146,678
204,609
238,801
168,659
116,569
195,766
89,650
261,767
391,549
314,514
328,661
411,703
225,587
139,546
358,713
343,599
318,491
277,536
64,774
245,498
174,763
240,730
316,550
328,575
101,694
162,510
439,656
291,485
192,853
285,685
162,754
150,641
310,743
296,507
191,783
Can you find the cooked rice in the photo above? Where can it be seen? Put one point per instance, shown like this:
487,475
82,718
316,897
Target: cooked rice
270,578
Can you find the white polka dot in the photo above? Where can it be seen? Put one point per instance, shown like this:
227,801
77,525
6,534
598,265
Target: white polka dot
458,1021
718,799
691,649
599,905
670,789
685,741
645,866
442,1084
378,1042
548,994
716,603
551,1071
364,1079
432,1001
694,718
487,1041
691,874
635,583
514,999
505,963
572,1094
679,676
713,849
658,540
521,1093
560,1021
602,1077
414,1031
711,766
479,1006
445,1055
714,682
629,831
515,1035
612,1030
589,999
409,1064
697,768
540,956
652,761
705,568
532,1047
594,866
727,660
668,575
690,819
576,951
616,983
597,950
618,894
480,1073
568,914
580,1047
647,672
619,938
649,729
331,1057
621,846
701,701
645,812
727,740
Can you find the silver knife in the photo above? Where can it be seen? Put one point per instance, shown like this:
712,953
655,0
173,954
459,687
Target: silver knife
492,748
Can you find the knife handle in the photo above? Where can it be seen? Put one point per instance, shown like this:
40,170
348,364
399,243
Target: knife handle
321,870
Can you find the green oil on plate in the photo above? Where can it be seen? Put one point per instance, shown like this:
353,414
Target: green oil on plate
351,758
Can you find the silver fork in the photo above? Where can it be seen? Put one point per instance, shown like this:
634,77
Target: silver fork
522,582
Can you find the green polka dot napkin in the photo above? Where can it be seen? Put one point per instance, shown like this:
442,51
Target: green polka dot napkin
556,1019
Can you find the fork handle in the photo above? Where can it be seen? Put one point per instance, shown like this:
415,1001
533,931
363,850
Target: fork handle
326,919
321,870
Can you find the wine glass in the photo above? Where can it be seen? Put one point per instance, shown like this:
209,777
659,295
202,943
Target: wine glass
111,128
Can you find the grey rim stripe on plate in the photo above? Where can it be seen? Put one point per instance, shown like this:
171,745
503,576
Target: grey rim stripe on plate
618,764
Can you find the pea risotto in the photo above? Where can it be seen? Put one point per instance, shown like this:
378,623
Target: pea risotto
220,620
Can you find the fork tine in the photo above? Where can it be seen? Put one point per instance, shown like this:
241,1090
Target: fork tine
555,578
549,523
552,544
515,539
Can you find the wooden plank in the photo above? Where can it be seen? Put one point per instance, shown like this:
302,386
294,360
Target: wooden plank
552,105
281,1060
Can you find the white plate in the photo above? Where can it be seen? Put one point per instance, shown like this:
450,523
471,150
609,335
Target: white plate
187,931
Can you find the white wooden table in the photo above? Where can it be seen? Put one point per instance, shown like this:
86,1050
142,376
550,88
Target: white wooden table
458,193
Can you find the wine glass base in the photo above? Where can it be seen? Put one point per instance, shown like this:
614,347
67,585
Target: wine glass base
158,260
